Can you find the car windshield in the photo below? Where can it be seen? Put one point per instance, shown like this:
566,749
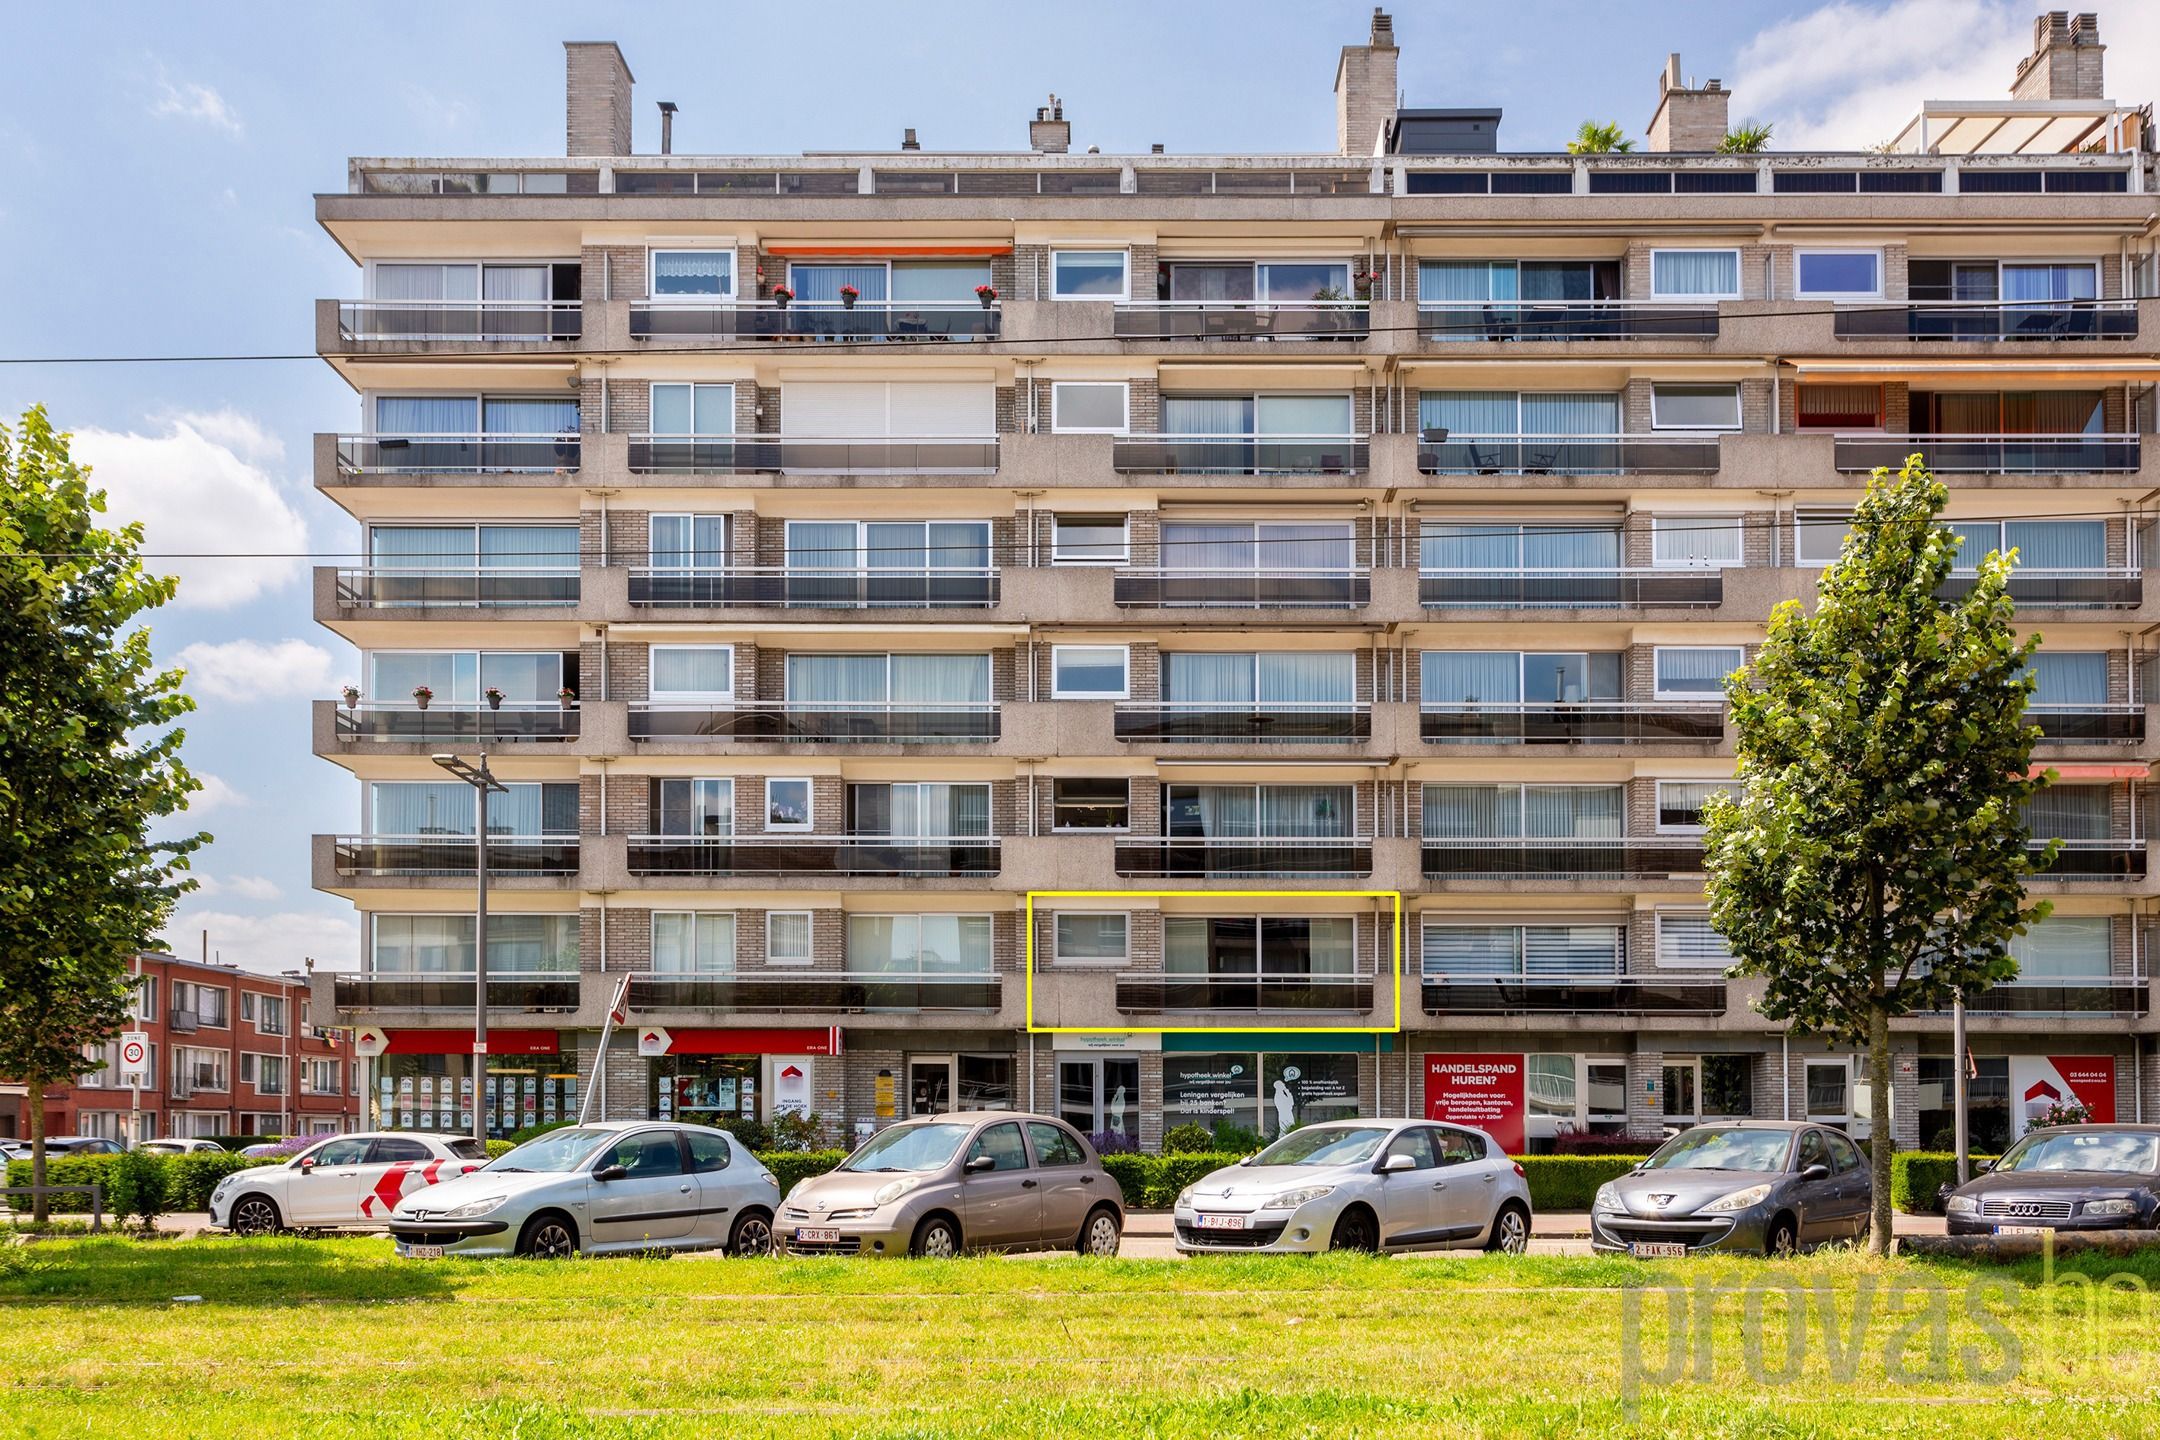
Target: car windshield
2111,1152
1706,1147
556,1153
908,1148
1325,1145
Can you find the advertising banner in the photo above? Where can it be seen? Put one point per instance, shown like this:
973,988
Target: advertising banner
790,1088
2038,1082
1481,1090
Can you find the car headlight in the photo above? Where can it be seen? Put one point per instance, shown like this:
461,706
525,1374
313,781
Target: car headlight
1291,1199
1738,1200
769,1178
2111,1207
886,1194
1184,1198
1608,1198
473,1208
1963,1205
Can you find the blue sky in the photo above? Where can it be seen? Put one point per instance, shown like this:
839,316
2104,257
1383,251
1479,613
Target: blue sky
160,161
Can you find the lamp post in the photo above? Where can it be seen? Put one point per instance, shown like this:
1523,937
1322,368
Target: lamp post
482,782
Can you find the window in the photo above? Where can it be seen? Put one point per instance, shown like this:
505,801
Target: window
1838,274
319,1077
1512,812
1571,549
1087,275
1680,803
926,810
1694,407
2070,678
2041,544
1091,939
1309,678
707,1152
787,803
919,944
207,1002
1536,952
1548,415
1090,802
1272,811
1685,940
787,937
445,808
197,1069
1087,540
694,806
691,410
459,677
691,274
686,942
1838,407
1235,281
1818,535
247,1005
1264,547
693,672
146,999
1088,672
1695,274
270,1015
1509,677
1695,672
647,1154
2070,812
1055,1145
1241,946
1002,1146
1685,541
883,549
443,944
265,1072
1088,407
876,680
2064,947
688,542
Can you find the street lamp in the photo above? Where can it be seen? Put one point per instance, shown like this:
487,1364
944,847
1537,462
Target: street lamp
482,782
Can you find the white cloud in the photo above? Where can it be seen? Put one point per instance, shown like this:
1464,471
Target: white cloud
216,794
271,942
203,493
187,100
245,887
252,670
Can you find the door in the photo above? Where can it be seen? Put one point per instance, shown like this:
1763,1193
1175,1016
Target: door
1001,1205
930,1085
1101,1096
1069,1187
1829,1091
722,1186
656,1199
327,1190
1467,1184
1410,1199
1821,1216
1854,1190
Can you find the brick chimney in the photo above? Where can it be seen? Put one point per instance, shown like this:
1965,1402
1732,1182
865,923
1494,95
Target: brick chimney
1365,90
2065,63
597,98
1050,132
1687,120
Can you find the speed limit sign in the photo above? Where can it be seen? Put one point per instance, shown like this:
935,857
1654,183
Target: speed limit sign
135,1057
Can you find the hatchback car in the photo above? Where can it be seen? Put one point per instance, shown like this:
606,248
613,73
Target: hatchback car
2065,1177
941,1184
1361,1185
1760,1185
629,1186
181,1147
346,1182
56,1145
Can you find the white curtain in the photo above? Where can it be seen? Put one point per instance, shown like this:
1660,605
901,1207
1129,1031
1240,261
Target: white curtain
692,670
1193,679
836,679
427,415
525,415
1324,545
692,272
1302,415
426,282
1459,812
1306,678
1207,415
1443,282
420,547
2053,544
693,942
1469,547
514,282
2048,282
529,547
1227,812
1574,811
1469,412
2063,947
1463,677
941,679
1452,951
689,541
1568,413
1570,547
1695,272
823,282
822,544
2073,677
1697,670
1189,546
1586,951
693,409
1319,811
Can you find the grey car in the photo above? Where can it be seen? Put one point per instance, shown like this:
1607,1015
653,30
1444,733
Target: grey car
626,1187
1754,1185
2065,1177
942,1184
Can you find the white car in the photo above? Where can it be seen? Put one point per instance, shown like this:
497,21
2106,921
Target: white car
181,1147
346,1182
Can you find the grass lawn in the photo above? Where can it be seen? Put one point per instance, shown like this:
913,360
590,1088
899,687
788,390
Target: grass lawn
333,1338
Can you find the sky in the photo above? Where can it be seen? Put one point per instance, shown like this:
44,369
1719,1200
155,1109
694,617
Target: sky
158,163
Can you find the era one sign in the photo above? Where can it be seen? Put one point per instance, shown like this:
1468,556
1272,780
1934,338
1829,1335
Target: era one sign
2038,1082
1485,1091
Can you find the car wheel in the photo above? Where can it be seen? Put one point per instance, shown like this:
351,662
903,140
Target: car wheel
1101,1234
752,1235
935,1239
548,1237
1355,1230
1510,1230
1783,1237
255,1215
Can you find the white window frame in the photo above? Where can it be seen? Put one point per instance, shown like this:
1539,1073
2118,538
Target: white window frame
652,939
734,280
1739,279
809,822
653,691
1657,948
1059,692
1058,955
1739,408
1657,672
693,386
263,1005
1657,802
1059,557
1124,424
1124,255
809,955
1801,292
1699,524
1809,517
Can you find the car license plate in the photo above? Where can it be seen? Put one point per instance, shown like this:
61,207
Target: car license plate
2024,1229
1222,1222
1656,1250
817,1237
420,1252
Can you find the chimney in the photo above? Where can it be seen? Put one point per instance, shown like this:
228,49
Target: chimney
667,127
598,98
908,140
1049,132
1687,120
2065,63
1365,91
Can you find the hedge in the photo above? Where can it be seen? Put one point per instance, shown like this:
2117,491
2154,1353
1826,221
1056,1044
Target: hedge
189,1179
1915,1176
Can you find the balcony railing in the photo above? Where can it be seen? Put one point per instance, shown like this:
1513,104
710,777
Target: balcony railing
813,721
508,990
1187,722
1570,455
1595,722
1991,454
1244,589
1242,320
1988,320
460,320
1563,857
813,855
182,1022
815,991
1156,992
2089,724
2096,860
813,455
1240,455
782,587
2111,996
1572,994
1566,320
494,454
1569,589
466,587
417,855
869,320
2102,589
407,723
1222,858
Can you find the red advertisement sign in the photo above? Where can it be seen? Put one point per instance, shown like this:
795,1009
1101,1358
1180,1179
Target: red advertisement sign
1485,1091
2039,1082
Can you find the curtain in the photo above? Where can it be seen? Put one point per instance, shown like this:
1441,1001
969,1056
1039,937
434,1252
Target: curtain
894,546
2069,812
1445,282
523,678
529,415
1192,679
424,945
935,282
454,675
941,679
1570,547
1572,950
684,541
822,282
2055,544
967,810
1306,678
1185,945
1480,812
836,679
956,944
692,670
1467,677
2048,282
2063,947
514,282
693,943
1469,412
423,807
872,809
692,272
1207,415
1324,415
1469,547
959,544
787,935
1319,546
2074,677
1227,812
1690,940
1573,811
822,544
531,943
421,547
532,809
426,282
1319,811
693,409
1470,951
1697,670
1189,546
1698,540
1969,414
2067,412
529,547
1557,280
427,415
1322,946
1708,273
1568,413
1201,284
881,944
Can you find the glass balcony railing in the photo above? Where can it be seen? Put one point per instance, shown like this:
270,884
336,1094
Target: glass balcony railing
812,855
815,721
2088,724
816,455
2100,995
781,587
1569,455
2096,860
1283,722
1244,589
1459,320
1242,320
1988,320
1216,857
407,723
460,321
850,991
2085,454
1593,722
1240,455
2102,589
1471,994
461,587
1563,857
868,320
1155,993
458,454
1569,589
424,855
508,990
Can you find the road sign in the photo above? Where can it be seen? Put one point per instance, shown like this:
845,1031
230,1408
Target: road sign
135,1057
653,1040
369,1041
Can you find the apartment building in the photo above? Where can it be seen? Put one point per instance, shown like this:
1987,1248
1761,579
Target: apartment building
1230,639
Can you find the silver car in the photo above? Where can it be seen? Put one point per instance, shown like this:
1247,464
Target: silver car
1759,1185
633,1186
1369,1185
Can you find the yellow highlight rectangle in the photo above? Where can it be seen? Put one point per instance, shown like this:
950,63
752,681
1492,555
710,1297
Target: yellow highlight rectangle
1392,896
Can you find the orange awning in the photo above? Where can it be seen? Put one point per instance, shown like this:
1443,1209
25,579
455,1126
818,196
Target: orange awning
2124,771
867,249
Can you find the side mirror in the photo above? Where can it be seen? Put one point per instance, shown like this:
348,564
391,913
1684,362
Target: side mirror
1389,1164
1245,1159
977,1164
1815,1172
1981,1167
611,1172
307,1163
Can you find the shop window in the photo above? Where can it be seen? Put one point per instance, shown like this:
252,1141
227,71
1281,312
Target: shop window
705,1089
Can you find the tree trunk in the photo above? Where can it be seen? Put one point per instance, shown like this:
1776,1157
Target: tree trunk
40,1206
1879,1143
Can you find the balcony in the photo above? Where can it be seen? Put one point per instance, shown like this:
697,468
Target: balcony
1157,993
813,455
507,990
1240,455
2106,589
1572,995
802,588
1244,589
1570,857
1284,723
808,991
458,587
495,454
2095,860
182,1022
1992,454
1566,320
813,855
1242,320
2067,998
1616,722
808,721
1448,454
2089,724
1988,320
423,855
463,322
1212,857
409,724
868,321
1569,589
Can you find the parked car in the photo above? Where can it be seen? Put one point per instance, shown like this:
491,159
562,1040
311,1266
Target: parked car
181,1147
1769,1186
347,1182
65,1145
2065,1177
634,1186
943,1184
1372,1185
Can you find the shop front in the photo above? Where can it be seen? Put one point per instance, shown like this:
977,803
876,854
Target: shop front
712,1076
1262,1083
423,1080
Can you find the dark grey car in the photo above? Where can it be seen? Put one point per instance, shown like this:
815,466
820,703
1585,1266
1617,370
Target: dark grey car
1757,1185
2065,1177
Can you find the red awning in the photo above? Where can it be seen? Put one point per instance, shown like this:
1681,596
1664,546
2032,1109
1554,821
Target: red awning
2124,771
460,1042
870,249
824,1041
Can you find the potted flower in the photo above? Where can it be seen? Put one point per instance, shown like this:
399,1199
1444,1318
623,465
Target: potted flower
1365,280
566,697
352,697
494,696
848,296
987,294
781,295
421,695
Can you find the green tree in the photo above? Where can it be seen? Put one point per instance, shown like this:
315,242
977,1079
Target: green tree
1874,861
1751,137
89,760
1592,138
